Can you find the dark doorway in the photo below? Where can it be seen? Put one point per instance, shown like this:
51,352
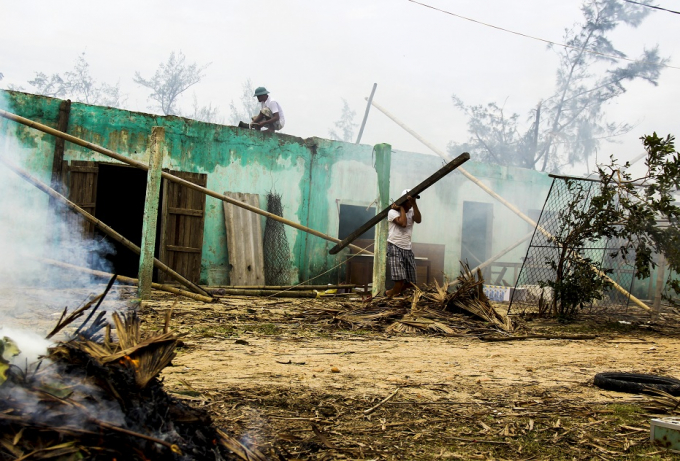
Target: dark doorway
121,192
476,236
352,217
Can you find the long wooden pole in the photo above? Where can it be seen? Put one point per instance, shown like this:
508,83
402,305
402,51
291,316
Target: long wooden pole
439,174
507,204
168,176
100,225
368,108
128,280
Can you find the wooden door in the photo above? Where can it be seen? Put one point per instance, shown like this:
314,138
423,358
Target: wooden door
183,215
82,190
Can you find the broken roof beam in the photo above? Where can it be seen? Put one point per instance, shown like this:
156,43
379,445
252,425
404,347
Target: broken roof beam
439,174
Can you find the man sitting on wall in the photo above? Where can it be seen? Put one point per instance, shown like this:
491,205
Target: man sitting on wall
271,116
400,258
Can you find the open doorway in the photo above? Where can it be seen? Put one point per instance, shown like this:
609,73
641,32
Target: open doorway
121,191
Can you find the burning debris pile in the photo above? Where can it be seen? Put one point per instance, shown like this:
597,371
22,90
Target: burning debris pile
465,311
96,397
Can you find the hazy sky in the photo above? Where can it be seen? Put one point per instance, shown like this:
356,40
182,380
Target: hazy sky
312,53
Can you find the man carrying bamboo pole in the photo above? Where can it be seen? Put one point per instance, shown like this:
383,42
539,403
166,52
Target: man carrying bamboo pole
400,257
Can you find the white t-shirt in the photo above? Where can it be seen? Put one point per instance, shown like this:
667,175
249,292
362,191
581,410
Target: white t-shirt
274,107
397,235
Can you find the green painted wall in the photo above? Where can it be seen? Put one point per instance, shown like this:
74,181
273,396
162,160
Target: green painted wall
314,177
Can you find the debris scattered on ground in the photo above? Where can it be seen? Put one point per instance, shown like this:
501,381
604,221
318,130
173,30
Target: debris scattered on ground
96,397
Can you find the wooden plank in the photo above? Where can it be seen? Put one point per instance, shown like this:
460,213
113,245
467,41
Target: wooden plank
182,249
185,211
84,169
162,252
244,241
83,192
58,162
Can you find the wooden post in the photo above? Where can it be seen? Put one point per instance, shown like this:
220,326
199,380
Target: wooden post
153,188
383,161
57,163
658,290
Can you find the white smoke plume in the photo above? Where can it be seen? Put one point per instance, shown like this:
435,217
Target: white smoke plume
32,293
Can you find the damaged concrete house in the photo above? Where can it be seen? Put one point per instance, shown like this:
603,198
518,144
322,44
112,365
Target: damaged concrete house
328,186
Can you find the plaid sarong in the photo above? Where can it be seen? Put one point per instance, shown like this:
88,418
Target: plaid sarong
402,263
267,113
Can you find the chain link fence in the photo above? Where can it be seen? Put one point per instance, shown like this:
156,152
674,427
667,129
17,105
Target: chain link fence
531,294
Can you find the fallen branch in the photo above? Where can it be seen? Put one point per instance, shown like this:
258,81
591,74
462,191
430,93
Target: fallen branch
387,399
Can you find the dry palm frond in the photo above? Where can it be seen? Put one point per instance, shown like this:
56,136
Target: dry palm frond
417,294
441,293
663,402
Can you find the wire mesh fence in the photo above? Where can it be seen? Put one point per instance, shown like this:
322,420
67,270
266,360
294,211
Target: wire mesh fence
546,253
277,262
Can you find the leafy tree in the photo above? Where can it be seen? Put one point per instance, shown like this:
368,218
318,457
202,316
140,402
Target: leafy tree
568,126
77,85
171,79
345,125
249,105
626,210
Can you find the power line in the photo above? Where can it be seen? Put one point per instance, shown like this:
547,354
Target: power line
652,6
538,38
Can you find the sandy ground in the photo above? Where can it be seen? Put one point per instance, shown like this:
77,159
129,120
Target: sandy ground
295,387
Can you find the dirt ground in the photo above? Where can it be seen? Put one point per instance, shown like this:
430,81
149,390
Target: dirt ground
302,389
295,385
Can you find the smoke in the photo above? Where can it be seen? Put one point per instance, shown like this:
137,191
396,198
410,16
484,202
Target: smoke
33,293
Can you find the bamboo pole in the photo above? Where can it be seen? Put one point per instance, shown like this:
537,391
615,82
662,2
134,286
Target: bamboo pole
168,176
100,225
128,280
507,204
282,294
285,287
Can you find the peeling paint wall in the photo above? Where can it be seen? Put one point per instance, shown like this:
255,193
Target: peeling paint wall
314,177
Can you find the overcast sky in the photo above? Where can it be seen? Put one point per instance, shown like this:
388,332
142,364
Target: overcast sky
312,53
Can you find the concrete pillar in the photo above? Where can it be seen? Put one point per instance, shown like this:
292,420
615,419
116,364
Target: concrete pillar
383,161
153,188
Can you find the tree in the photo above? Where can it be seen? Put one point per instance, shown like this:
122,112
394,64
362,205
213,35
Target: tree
568,126
208,114
78,85
625,209
171,79
345,125
249,105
